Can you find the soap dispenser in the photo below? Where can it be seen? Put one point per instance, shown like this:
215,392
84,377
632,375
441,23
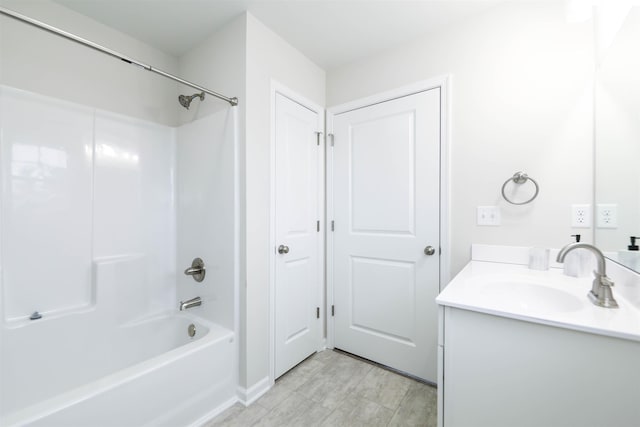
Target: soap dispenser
631,257
578,263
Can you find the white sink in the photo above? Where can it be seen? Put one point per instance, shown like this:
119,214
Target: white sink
528,296
547,297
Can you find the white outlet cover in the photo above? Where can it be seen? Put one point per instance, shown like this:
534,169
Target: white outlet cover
607,215
581,216
488,215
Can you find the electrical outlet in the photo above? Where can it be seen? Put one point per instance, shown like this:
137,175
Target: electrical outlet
607,216
580,216
488,215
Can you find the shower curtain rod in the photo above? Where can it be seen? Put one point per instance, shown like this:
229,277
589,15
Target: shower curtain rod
110,52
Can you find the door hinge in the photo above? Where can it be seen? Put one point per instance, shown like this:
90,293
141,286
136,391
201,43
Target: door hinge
333,310
317,312
318,137
318,226
333,225
330,135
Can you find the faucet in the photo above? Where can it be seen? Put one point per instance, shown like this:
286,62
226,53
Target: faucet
600,294
197,270
193,302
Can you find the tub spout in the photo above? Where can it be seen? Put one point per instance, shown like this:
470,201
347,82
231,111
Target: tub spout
193,302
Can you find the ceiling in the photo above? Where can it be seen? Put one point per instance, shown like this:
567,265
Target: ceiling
329,32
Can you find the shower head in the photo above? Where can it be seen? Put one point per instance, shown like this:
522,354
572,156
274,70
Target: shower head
185,100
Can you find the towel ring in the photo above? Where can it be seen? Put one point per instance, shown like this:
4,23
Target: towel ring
520,178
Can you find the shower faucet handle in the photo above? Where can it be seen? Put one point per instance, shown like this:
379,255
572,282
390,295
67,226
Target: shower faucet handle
197,270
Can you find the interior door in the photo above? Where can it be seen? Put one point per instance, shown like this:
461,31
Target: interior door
386,180
297,236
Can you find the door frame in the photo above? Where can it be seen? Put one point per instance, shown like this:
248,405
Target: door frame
442,82
279,88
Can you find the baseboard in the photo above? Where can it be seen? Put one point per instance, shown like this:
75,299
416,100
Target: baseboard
253,393
214,413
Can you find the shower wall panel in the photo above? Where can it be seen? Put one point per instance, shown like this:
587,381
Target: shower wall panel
46,161
133,204
206,216
78,186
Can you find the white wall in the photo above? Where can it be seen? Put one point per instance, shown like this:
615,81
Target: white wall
269,58
521,100
44,63
218,63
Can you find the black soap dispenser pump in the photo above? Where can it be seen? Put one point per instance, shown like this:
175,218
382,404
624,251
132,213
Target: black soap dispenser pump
577,263
633,246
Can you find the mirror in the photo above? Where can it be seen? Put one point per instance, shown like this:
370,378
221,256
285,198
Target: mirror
617,138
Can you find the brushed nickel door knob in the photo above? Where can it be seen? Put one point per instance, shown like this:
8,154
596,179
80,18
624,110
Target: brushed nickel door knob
282,249
429,250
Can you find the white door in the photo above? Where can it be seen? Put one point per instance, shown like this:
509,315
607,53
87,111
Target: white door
386,181
297,237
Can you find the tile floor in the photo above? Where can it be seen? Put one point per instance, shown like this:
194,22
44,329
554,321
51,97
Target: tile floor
334,389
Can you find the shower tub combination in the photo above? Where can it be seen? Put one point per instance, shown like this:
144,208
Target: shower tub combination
148,372
99,215
93,336
106,208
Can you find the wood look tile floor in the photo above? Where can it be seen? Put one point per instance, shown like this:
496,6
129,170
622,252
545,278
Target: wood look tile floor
334,389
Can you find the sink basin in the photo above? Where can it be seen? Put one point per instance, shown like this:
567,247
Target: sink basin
548,297
529,296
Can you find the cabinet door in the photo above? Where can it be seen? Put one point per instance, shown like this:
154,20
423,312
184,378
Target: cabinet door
502,372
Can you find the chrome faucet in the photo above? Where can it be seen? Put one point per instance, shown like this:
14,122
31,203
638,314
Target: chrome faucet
600,293
193,302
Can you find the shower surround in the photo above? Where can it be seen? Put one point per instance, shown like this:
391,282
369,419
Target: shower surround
99,215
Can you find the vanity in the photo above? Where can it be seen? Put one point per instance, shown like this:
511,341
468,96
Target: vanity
522,347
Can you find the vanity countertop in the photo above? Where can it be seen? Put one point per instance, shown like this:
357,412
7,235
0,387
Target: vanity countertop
546,297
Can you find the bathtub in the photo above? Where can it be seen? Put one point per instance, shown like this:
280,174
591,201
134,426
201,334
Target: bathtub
70,372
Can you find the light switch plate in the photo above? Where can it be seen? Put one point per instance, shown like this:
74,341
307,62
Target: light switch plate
488,215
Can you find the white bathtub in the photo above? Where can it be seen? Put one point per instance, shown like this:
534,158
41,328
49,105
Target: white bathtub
66,372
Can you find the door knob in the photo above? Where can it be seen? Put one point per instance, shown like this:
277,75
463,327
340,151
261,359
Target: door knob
282,249
429,250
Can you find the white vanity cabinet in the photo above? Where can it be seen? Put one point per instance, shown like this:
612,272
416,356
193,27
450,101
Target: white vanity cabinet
499,371
526,348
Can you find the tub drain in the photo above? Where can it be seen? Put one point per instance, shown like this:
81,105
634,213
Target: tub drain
191,330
